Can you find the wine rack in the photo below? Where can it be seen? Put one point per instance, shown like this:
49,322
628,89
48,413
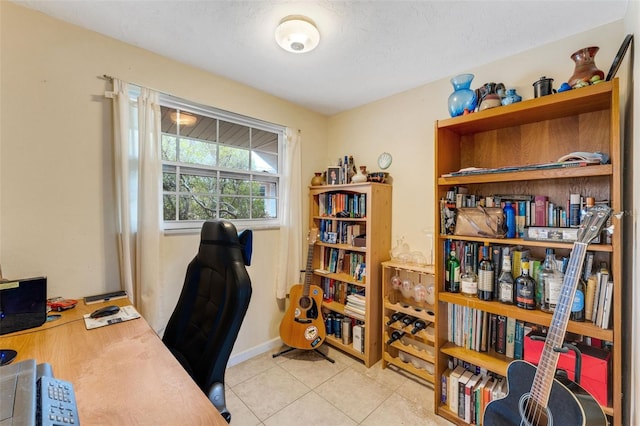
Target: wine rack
413,352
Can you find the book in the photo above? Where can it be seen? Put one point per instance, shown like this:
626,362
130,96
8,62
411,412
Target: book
462,384
105,297
501,334
518,341
469,400
540,210
600,295
452,395
510,332
589,296
606,311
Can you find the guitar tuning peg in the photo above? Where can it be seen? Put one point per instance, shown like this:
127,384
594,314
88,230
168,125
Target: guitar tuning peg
609,229
618,215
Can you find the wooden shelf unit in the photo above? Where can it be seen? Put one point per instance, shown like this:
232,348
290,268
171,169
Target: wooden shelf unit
535,131
418,349
377,226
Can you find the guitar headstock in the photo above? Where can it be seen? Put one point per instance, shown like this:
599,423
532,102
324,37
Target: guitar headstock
313,236
593,222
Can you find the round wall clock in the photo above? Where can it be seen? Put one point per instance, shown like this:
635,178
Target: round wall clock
384,160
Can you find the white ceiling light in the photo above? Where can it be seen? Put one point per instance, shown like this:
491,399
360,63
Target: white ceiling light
297,34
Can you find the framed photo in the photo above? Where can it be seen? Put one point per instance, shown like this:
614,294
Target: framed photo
333,175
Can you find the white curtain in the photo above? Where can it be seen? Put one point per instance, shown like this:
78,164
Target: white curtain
290,253
138,178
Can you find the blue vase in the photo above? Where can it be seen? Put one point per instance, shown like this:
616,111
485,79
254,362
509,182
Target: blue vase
463,97
511,97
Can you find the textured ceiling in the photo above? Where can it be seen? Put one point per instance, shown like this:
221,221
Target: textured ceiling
368,49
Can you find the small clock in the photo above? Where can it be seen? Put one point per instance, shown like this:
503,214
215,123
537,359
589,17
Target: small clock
384,160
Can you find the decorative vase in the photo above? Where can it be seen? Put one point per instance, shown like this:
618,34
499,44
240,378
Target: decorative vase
511,97
361,176
462,97
585,72
317,179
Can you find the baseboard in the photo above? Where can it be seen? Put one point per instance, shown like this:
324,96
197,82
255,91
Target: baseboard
234,359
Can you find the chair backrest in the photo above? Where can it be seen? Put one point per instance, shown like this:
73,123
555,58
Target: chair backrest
214,299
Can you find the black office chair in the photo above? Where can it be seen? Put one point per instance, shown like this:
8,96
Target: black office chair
205,322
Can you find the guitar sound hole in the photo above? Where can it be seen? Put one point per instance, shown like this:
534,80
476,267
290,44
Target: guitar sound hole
305,302
532,413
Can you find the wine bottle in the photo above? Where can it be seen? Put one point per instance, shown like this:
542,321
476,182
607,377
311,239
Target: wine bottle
525,288
408,320
418,325
397,316
550,279
578,305
485,276
453,271
468,280
505,282
397,334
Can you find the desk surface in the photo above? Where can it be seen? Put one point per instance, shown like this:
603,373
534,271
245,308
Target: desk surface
121,373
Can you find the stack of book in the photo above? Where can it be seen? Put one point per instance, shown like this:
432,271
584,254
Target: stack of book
467,391
355,306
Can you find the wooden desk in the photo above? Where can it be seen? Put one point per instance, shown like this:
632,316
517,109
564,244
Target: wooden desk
121,373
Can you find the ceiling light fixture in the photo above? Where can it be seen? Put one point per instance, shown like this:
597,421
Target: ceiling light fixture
297,34
183,118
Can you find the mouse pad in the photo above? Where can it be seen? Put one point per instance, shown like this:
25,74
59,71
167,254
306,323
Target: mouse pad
126,313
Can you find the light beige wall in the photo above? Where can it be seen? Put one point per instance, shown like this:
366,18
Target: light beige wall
403,125
56,162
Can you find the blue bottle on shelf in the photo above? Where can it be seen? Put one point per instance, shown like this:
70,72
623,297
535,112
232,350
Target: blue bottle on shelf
510,216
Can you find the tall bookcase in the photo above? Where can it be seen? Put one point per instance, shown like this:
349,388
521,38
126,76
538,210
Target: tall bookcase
325,206
535,131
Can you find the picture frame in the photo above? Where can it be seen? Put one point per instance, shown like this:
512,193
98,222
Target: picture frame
333,175
619,57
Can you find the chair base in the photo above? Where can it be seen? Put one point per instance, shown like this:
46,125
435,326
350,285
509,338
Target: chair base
285,351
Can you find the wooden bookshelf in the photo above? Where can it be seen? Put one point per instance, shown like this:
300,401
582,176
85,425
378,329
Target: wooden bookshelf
376,224
535,131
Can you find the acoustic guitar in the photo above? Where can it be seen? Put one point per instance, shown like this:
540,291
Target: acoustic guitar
302,326
535,397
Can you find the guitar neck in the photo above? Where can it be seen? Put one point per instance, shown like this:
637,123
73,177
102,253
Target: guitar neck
308,271
545,373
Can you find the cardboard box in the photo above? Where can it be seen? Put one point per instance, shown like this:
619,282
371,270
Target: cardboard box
594,373
360,241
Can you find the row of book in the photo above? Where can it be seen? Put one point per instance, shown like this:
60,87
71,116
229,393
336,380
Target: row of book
338,291
336,261
355,306
467,390
340,204
482,331
530,210
340,232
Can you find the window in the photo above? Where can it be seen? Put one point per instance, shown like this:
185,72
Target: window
217,164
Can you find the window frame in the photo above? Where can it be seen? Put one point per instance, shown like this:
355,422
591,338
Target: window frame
170,101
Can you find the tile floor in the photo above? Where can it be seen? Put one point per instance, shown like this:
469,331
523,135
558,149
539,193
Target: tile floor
302,388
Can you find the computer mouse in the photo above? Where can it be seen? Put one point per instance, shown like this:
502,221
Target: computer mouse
103,312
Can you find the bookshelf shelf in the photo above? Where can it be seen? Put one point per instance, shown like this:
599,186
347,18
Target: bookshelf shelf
407,366
536,131
534,316
359,270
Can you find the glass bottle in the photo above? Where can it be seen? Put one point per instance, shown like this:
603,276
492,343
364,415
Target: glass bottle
505,282
396,335
418,325
485,276
550,279
396,316
510,218
468,280
578,305
525,288
453,273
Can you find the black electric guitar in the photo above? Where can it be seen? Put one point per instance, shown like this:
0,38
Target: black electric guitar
535,397
302,326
